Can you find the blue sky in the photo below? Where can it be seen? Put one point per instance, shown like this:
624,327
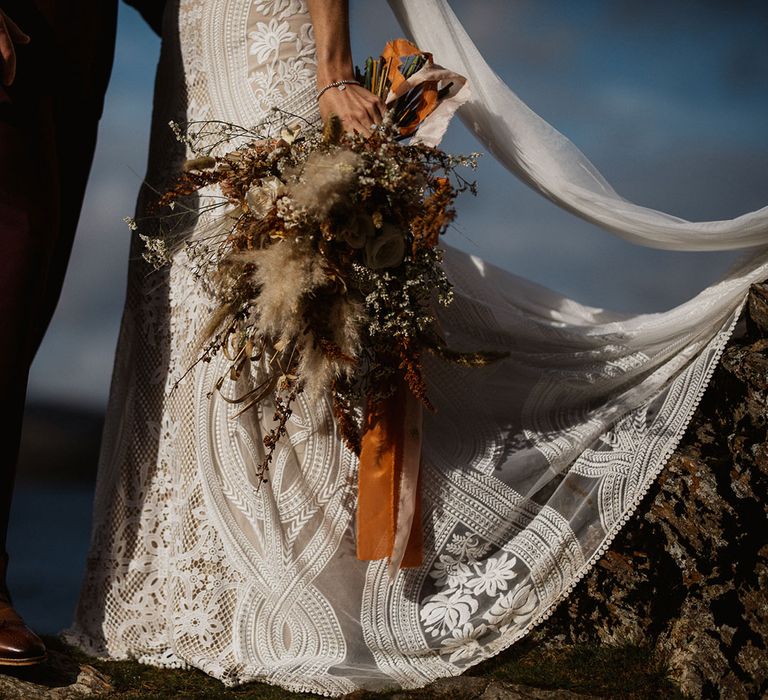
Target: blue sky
668,99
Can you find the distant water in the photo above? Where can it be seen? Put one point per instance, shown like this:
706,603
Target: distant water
48,542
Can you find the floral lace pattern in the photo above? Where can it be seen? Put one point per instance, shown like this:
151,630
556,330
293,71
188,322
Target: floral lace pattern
531,465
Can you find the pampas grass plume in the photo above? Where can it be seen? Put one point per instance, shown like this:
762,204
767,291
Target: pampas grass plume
286,273
324,181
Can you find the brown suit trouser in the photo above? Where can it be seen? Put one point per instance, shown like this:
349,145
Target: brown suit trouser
48,123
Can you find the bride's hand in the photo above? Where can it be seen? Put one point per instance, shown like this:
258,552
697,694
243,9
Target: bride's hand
357,107
10,34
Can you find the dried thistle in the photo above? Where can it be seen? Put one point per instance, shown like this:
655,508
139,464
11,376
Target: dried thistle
333,130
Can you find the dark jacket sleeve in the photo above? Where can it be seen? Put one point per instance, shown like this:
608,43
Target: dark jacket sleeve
151,11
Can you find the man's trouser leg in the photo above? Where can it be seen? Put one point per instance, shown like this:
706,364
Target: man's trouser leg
48,122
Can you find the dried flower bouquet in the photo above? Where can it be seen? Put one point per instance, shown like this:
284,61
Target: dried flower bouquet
321,252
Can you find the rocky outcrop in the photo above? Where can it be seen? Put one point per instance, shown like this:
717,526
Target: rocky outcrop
688,576
60,678
474,688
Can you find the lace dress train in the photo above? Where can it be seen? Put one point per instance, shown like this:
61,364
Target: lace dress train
531,465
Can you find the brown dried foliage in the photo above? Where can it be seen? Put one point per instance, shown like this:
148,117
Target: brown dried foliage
348,429
410,363
429,223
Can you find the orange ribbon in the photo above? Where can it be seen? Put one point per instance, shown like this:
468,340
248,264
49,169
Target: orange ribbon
388,501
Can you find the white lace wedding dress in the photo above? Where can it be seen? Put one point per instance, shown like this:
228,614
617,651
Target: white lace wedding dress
531,465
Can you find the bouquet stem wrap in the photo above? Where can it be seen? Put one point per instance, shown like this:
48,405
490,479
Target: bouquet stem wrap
434,112
388,502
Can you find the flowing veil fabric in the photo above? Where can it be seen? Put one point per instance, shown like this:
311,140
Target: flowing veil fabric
546,160
530,466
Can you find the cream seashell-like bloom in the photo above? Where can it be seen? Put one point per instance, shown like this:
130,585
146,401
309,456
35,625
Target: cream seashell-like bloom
387,249
261,198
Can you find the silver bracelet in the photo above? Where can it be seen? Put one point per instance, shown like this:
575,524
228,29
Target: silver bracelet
341,84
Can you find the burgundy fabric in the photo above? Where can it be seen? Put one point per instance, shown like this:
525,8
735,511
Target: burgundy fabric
48,123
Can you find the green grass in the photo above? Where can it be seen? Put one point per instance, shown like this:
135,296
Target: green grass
607,671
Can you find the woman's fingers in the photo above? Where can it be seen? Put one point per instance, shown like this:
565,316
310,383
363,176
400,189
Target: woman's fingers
374,108
379,108
355,118
359,127
357,108
370,117
10,34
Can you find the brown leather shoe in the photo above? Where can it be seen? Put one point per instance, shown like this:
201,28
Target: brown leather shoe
19,645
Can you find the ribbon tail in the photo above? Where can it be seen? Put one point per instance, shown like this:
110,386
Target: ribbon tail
388,502
377,480
407,546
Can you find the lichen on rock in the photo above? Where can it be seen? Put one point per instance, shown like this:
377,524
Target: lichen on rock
688,575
